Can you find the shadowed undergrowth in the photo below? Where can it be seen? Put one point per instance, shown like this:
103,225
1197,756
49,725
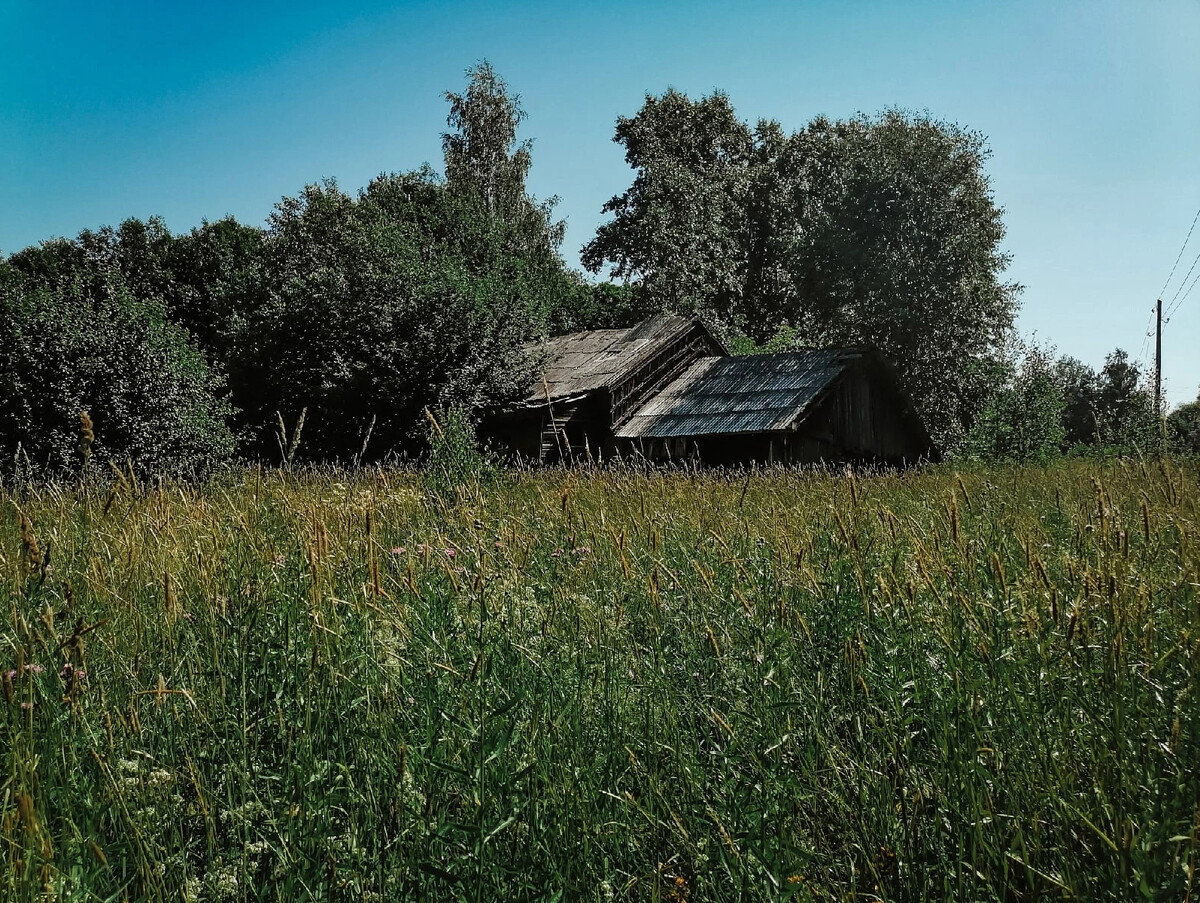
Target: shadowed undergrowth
605,686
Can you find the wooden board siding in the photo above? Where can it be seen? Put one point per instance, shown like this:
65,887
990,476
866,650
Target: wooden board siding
861,418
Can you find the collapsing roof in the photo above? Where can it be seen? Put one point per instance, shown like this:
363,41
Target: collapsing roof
583,362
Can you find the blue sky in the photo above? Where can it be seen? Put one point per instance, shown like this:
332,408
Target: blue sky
197,110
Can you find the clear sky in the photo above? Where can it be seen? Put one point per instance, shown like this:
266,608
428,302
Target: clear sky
194,110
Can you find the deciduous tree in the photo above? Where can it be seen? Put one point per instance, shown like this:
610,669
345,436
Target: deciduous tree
875,230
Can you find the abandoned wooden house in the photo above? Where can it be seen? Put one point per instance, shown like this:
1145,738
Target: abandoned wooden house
592,382
667,390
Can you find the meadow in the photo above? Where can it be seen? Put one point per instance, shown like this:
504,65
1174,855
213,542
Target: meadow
982,685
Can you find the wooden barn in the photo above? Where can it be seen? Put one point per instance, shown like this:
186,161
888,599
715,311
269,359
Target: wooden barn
594,381
666,389
829,405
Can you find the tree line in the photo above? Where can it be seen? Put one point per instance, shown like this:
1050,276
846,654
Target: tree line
325,334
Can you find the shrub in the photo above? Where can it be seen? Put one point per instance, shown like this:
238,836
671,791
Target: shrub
151,399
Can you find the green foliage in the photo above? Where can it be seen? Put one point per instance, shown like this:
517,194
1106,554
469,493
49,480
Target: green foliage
1023,421
1125,405
203,279
879,231
605,305
417,293
1081,390
1110,410
888,235
361,310
213,278
680,228
1183,426
408,296
455,461
485,162
786,338
925,686
84,343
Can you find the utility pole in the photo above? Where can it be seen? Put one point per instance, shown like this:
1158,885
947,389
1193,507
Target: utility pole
1158,411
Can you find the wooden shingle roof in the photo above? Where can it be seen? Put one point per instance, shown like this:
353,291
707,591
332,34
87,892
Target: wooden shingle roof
583,362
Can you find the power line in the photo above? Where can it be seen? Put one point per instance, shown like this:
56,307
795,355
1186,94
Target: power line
1185,295
1174,304
1146,335
1180,255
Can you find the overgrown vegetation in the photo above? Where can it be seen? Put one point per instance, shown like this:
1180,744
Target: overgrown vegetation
423,290
99,351
620,686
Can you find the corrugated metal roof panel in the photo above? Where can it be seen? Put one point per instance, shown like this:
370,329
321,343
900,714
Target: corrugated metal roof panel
759,393
584,361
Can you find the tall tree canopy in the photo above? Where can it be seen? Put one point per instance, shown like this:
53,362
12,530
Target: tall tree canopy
421,290
680,229
484,160
378,305
1024,418
876,230
361,309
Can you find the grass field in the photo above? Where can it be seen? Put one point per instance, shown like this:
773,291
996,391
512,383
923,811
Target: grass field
605,686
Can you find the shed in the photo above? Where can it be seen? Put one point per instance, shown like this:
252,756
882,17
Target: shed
822,405
591,382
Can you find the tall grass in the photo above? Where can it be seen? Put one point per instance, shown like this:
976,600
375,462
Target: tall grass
605,686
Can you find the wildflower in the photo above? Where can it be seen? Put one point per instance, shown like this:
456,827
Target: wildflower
399,550
556,553
68,671
34,669
280,559
27,706
583,550
498,544
11,674
450,553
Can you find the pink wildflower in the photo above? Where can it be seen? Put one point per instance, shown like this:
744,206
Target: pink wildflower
399,550
69,671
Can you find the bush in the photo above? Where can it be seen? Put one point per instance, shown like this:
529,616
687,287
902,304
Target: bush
151,398
1023,421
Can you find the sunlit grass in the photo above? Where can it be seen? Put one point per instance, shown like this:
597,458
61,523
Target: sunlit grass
605,685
